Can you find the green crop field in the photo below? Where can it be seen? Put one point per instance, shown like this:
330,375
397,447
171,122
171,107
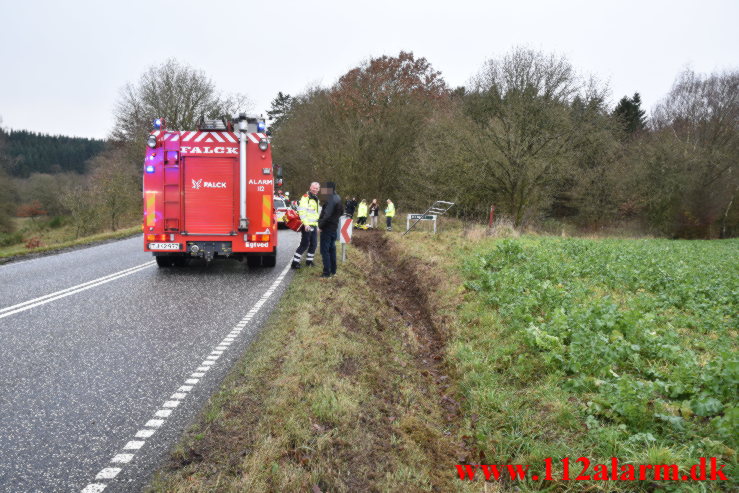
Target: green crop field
602,348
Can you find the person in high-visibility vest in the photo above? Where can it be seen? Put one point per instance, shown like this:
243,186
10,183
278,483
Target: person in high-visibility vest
308,210
362,212
389,214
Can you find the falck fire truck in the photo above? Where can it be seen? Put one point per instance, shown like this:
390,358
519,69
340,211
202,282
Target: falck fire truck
208,193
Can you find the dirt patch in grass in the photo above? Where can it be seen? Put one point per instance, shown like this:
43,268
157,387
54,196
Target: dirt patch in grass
408,281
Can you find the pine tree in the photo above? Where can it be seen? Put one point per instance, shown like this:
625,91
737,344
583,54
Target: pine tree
281,106
629,112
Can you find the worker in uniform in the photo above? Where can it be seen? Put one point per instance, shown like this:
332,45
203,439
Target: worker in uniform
308,211
389,214
362,212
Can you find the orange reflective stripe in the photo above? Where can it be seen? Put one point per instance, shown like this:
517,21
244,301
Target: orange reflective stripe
150,208
266,211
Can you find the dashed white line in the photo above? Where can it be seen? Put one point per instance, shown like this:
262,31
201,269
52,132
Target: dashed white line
109,473
94,488
122,458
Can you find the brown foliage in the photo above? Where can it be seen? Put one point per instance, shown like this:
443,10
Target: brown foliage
32,210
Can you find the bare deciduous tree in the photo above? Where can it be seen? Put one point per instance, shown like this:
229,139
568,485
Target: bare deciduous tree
173,91
691,172
520,131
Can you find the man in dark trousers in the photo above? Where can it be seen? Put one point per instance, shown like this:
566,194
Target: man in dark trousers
328,226
350,206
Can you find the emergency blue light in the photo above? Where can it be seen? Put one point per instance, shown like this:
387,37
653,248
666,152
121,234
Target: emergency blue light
157,123
150,168
260,126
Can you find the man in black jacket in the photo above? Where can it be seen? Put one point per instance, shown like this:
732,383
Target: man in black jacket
328,226
350,206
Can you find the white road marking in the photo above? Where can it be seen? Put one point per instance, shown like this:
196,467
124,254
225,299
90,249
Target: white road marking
108,473
41,300
203,368
94,488
112,472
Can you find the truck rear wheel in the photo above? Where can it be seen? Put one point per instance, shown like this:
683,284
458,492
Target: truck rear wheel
164,261
270,260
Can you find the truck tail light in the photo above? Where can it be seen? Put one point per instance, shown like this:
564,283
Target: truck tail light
157,237
258,237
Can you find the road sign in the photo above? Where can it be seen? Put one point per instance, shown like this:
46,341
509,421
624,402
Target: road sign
345,229
428,217
419,217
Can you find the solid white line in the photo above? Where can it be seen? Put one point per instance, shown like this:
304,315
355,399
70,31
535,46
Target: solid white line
27,305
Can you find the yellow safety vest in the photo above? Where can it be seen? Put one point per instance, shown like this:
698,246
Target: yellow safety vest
390,211
362,210
308,210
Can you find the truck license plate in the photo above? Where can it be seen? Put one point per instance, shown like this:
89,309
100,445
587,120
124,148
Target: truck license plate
164,246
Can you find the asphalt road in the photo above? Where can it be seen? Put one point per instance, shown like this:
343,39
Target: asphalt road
98,382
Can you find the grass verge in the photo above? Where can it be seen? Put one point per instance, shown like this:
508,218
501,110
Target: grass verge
345,390
52,240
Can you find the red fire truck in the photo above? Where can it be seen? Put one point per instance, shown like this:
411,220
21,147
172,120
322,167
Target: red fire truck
209,193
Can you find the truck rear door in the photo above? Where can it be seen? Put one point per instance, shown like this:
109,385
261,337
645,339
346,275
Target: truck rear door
209,195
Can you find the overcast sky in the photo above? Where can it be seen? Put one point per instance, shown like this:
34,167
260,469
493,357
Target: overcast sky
63,62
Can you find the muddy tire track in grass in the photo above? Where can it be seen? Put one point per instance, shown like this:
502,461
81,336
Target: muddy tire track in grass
408,287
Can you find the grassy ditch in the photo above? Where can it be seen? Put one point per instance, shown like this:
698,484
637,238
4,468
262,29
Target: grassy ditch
347,389
431,351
